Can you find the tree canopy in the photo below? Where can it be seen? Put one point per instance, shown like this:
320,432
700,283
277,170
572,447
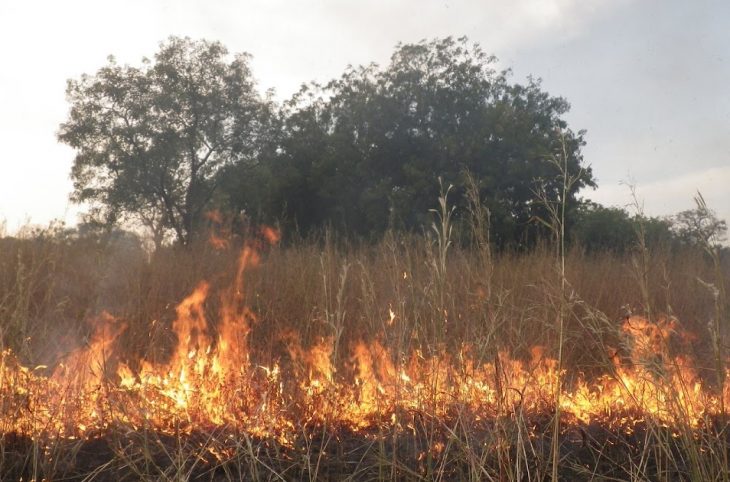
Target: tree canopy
599,228
363,153
151,139
700,226
160,143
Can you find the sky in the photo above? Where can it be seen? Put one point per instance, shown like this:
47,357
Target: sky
648,80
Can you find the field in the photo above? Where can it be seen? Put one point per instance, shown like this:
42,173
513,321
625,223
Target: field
323,359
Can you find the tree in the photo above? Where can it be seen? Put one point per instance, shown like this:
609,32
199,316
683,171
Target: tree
598,228
285,185
364,152
700,226
151,139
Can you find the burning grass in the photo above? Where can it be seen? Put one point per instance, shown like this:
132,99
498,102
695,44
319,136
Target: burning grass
382,369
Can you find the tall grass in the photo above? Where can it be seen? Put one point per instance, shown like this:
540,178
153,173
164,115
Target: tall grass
407,291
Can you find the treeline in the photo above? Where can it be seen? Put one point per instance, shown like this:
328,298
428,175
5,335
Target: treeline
162,144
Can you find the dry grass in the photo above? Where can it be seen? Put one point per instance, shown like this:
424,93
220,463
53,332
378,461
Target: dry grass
327,287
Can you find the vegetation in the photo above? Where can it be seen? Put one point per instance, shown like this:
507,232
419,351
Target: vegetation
158,146
187,132
55,282
150,141
430,210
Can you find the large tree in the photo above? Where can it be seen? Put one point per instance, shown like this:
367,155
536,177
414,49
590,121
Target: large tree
364,152
150,140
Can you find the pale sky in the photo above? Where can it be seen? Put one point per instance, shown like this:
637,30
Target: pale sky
649,80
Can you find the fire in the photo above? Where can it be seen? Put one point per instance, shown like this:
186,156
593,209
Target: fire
219,237
210,380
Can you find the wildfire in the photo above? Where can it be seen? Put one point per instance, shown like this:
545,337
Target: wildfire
210,381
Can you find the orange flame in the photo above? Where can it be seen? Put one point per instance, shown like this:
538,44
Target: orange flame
210,381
